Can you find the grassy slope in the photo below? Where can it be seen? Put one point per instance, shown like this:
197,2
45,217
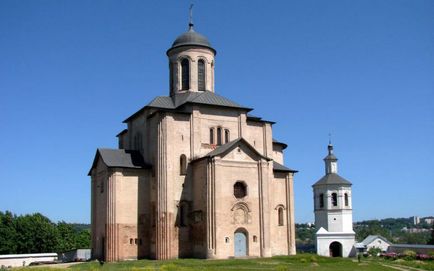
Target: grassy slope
280,263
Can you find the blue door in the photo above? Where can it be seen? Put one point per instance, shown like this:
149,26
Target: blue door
240,243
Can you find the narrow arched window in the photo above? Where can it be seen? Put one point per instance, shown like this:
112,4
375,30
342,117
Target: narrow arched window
171,76
185,74
201,74
334,199
226,135
183,164
211,136
219,136
321,200
183,214
280,216
346,199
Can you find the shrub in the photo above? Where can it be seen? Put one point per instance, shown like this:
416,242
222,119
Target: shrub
374,251
390,255
313,259
423,257
408,255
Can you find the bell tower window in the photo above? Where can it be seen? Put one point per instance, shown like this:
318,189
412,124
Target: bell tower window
201,74
334,199
185,74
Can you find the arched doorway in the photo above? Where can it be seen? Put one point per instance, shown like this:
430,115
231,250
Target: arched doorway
240,243
335,249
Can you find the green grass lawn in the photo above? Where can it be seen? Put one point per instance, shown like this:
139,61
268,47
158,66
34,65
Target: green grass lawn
279,263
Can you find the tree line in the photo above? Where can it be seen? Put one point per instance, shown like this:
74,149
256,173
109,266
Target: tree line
35,233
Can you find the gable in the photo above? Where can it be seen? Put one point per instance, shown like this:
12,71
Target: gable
239,145
241,153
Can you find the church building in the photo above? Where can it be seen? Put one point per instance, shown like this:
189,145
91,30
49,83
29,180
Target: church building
195,175
333,212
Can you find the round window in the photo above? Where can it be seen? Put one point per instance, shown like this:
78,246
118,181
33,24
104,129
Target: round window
240,190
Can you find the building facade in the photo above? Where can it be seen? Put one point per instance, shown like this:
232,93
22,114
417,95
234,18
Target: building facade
333,212
194,175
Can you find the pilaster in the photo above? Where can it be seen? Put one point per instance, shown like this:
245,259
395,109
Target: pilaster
163,236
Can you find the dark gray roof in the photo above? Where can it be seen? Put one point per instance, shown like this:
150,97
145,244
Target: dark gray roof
180,99
275,141
332,178
120,158
331,156
191,38
122,132
256,118
225,148
280,167
412,246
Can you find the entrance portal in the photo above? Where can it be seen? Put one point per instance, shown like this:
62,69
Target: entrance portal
240,243
335,249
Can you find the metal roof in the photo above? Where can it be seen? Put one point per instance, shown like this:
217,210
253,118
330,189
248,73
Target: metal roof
120,158
280,167
191,38
189,97
371,238
275,141
412,246
332,178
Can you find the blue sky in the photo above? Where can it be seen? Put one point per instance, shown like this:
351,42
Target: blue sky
72,71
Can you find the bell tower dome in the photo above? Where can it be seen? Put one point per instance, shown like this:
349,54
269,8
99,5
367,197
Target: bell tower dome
191,62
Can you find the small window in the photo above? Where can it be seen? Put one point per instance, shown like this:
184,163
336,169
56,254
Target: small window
219,136
183,164
280,216
227,240
185,74
183,214
334,199
346,199
226,135
321,200
201,74
255,238
131,241
136,241
211,136
171,75
240,190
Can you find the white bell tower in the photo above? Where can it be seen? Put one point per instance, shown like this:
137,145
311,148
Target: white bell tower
333,212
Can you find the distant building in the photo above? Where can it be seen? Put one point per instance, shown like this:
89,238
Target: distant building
428,220
374,241
333,212
75,255
416,220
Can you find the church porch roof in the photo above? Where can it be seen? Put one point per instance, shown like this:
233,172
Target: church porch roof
120,158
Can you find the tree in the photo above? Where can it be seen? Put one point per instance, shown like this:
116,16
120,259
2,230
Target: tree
36,234
431,241
67,237
8,234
